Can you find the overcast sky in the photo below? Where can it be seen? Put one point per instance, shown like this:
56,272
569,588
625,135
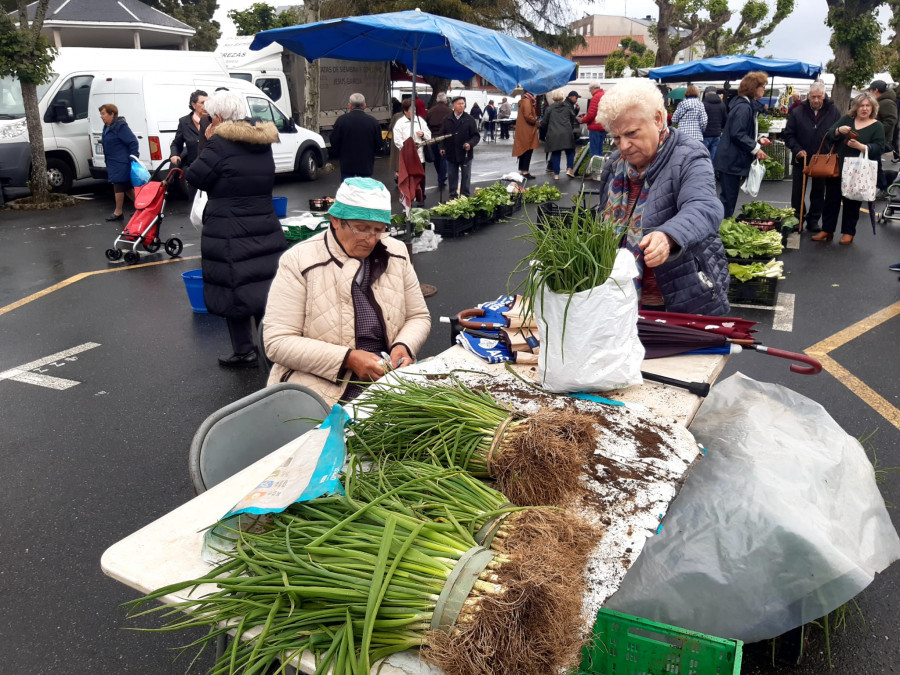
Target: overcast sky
803,35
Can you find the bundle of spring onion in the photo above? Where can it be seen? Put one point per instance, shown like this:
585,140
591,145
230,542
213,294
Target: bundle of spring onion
573,251
353,582
536,460
423,490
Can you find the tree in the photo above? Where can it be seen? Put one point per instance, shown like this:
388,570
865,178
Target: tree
545,22
27,55
310,119
752,29
261,16
856,42
631,54
683,23
198,14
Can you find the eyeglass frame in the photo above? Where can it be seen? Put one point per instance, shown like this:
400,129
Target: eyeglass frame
379,235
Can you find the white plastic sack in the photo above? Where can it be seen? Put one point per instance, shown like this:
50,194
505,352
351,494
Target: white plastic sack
427,241
601,350
779,524
754,179
859,178
197,208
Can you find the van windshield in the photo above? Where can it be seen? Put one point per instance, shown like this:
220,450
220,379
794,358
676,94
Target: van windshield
11,104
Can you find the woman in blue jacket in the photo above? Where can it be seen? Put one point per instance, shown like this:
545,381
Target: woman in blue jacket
659,186
738,146
119,143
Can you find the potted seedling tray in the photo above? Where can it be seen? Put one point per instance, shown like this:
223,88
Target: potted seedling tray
452,227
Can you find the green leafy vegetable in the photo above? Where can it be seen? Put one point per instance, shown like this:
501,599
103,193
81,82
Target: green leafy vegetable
744,241
764,211
462,207
538,194
774,269
774,170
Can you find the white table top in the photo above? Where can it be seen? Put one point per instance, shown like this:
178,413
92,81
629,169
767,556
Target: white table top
168,550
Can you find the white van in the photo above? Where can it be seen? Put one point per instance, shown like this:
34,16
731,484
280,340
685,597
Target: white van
152,102
63,103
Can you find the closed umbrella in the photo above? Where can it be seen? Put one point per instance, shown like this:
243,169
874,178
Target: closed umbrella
661,339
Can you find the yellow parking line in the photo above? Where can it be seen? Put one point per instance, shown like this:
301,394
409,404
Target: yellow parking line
869,396
84,275
852,332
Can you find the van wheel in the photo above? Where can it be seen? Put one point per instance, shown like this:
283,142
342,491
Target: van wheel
307,166
59,175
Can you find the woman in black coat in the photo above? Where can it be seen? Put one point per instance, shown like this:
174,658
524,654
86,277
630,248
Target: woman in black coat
242,238
186,144
557,124
739,146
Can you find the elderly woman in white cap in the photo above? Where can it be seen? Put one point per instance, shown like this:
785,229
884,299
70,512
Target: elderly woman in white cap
343,297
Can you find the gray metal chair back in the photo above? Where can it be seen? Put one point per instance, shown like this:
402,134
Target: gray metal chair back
234,437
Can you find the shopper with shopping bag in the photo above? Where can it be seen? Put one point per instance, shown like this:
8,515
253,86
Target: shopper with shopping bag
860,121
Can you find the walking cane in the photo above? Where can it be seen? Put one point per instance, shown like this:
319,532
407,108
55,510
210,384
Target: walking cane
802,197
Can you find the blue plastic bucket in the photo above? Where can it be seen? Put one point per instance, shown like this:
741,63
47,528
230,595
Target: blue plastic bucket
280,204
193,282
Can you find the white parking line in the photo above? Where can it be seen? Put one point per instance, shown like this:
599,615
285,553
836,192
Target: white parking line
22,373
784,313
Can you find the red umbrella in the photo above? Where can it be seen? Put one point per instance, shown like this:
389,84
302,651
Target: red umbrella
728,326
411,176
668,339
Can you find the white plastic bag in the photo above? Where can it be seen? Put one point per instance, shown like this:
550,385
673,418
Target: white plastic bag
859,178
754,180
197,208
600,349
779,524
427,241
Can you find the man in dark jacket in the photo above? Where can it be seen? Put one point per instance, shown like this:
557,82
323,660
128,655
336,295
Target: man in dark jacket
716,114
434,118
887,115
806,127
459,149
356,138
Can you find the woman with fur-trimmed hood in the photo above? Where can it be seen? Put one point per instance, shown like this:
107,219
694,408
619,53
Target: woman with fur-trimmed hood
242,238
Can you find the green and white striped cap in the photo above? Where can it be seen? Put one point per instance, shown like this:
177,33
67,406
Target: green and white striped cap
362,199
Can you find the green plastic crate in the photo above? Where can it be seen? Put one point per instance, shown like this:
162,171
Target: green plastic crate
627,645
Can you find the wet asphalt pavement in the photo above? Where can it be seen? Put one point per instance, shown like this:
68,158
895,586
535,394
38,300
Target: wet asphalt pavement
88,464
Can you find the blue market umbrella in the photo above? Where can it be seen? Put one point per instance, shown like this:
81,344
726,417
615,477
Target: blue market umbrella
732,68
428,45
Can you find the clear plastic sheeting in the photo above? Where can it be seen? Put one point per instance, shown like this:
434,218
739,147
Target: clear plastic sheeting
779,524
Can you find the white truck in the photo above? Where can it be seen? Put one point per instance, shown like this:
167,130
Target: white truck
63,103
151,103
280,74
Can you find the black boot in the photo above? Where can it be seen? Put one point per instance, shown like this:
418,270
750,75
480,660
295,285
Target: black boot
248,360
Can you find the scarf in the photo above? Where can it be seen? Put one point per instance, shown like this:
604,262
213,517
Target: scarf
617,208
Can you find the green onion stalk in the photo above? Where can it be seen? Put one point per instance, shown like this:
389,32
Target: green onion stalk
536,460
354,582
573,251
422,490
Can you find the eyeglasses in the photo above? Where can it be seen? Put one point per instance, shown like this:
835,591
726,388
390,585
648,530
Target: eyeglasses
380,234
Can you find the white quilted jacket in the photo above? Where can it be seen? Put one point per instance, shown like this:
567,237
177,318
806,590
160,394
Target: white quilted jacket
309,321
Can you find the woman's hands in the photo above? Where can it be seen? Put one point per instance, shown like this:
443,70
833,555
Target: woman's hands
856,145
369,367
844,130
656,247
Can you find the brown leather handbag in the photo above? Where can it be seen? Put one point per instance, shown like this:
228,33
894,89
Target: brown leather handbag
825,165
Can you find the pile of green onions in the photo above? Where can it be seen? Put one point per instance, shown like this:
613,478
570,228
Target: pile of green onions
536,460
354,582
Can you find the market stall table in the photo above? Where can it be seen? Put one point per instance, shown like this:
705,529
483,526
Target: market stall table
168,550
